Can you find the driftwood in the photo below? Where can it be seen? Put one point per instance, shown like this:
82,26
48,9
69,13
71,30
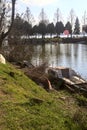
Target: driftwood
77,89
69,88
49,85
50,82
72,80
38,75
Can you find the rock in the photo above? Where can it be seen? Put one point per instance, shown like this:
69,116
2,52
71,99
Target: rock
12,74
37,101
2,59
63,98
27,64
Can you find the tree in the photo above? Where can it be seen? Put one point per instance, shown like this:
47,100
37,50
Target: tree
50,29
84,23
28,20
77,26
17,30
28,16
43,23
84,29
5,23
35,30
20,28
72,19
57,15
59,28
84,18
27,28
42,29
43,17
68,27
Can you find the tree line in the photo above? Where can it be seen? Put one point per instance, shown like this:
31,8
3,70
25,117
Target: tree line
21,24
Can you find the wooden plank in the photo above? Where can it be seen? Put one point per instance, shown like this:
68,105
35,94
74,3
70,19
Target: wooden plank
68,81
78,78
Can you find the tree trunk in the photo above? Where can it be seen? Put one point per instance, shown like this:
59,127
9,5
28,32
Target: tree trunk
0,42
42,36
4,35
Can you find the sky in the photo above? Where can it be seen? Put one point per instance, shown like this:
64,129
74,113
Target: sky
50,7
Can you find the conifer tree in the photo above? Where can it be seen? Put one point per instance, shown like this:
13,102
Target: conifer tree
77,26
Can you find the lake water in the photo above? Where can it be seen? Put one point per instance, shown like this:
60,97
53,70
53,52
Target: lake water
68,55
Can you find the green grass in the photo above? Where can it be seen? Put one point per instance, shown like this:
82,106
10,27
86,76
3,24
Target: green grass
26,106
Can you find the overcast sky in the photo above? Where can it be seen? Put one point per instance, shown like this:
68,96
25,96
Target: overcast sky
50,6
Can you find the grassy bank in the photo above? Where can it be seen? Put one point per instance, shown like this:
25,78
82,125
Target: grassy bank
26,106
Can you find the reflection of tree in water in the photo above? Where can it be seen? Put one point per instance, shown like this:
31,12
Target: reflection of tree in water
75,50
75,53
70,55
54,53
40,55
84,52
50,48
68,50
36,53
57,53
43,54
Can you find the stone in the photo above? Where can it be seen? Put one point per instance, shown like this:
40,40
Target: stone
2,59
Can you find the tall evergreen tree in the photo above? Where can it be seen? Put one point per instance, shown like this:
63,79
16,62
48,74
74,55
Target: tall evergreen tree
50,29
77,26
17,28
35,30
59,28
42,29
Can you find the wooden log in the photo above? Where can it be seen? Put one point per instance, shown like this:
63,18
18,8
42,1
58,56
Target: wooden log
71,89
49,85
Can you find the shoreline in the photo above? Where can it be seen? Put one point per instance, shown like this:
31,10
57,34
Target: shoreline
82,40
55,40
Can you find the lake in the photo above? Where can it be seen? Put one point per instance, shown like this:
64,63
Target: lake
68,55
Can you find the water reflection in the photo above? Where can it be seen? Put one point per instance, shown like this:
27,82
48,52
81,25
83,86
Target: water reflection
70,55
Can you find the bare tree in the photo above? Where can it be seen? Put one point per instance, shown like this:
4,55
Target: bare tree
6,13
42,23
84,18
43,17
57,16
28,16
72,19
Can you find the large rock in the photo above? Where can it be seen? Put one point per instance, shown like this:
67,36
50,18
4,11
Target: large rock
2,59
